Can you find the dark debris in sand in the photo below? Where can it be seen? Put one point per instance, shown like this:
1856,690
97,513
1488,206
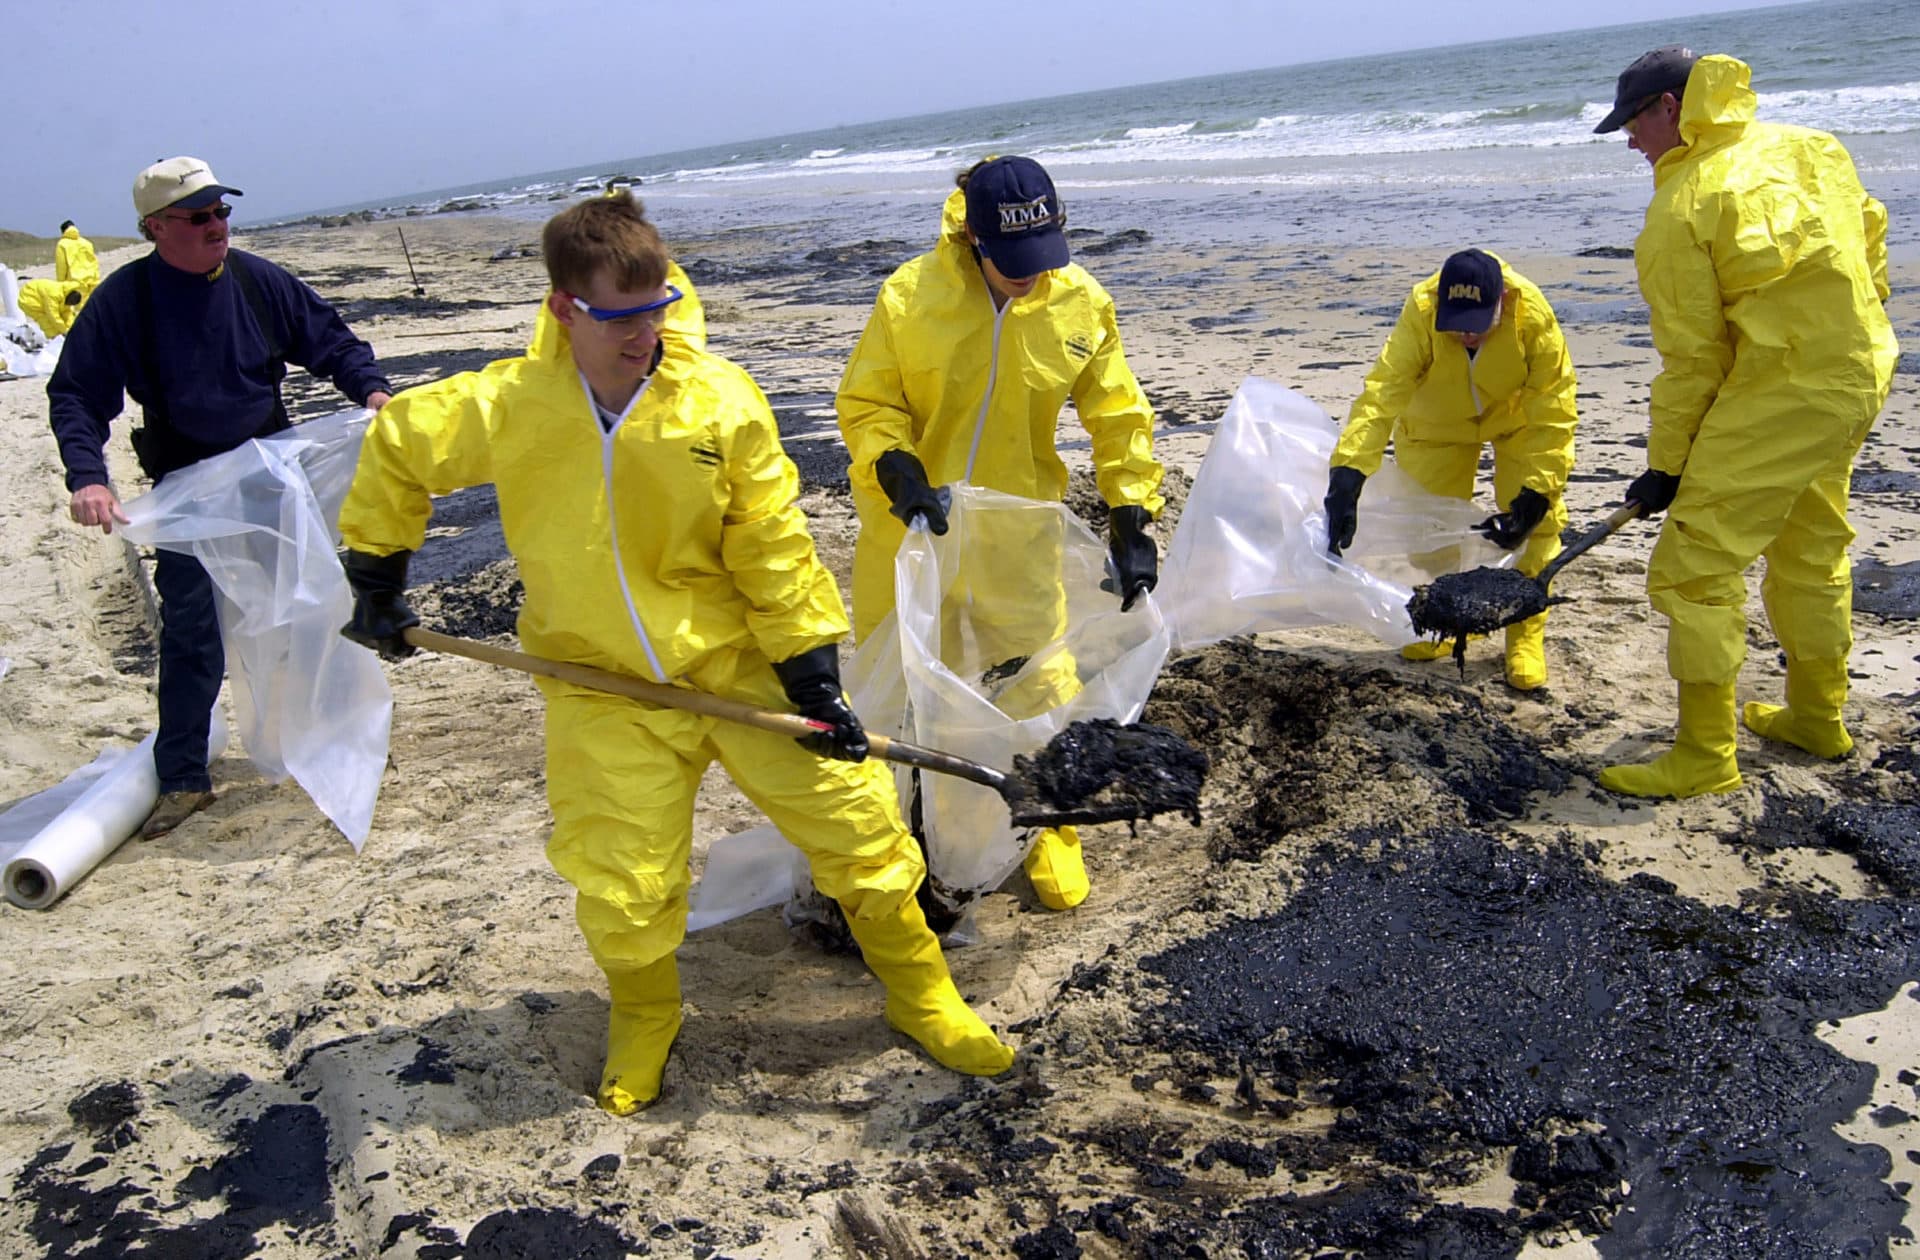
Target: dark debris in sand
1322,1073
1290,737
1433,999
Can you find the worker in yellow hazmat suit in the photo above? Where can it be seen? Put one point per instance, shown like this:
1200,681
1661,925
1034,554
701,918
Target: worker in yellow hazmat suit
1477,357
75,261
644,492
966,361
1764,263
52,304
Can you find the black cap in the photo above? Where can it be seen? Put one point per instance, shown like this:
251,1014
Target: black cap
1470,288
1662,70
1016,217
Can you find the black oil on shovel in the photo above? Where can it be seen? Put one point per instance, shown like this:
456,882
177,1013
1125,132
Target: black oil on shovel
1483,600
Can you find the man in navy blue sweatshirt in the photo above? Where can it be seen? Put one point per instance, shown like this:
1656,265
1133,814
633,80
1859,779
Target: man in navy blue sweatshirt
200,335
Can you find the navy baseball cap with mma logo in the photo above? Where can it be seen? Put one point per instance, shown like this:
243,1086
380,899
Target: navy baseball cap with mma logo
1469,296
1016,216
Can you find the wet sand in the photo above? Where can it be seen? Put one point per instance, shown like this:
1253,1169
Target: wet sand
1414,982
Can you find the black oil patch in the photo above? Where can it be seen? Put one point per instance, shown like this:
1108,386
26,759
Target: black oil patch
107,1112
519,1233
1104,771
1887,590
1885,481
462,580
274,1177
1478,601
1292,738
1453,998
1882,839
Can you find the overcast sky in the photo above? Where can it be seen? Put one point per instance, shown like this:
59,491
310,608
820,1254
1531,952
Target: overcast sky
307,105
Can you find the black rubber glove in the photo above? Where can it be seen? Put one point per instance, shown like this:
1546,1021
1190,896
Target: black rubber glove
380,612
812,682
1514,526
1654,491
1343,507
904,478
1136,561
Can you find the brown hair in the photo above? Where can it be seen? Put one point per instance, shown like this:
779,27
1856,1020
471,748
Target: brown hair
960,180
609,234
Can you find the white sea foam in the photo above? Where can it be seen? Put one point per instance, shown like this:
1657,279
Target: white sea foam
1884,109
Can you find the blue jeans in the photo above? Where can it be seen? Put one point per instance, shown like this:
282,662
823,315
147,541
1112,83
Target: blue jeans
192,660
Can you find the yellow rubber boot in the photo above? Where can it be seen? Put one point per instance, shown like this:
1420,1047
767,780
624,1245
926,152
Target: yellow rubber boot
921,1000
1702,758
1058,869
1527,654
1810,719
641,1025
1432,650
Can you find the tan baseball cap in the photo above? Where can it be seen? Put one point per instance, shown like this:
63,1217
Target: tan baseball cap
182,181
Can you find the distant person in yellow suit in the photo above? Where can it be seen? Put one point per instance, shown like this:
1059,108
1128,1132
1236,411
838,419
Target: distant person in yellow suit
1764,264
644,492
969,356
75,261
1477,357
52,304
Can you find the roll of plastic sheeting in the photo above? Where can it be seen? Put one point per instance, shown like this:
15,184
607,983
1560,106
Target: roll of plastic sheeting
117,792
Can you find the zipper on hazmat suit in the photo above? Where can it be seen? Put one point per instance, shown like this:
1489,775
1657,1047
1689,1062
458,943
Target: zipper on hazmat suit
613,513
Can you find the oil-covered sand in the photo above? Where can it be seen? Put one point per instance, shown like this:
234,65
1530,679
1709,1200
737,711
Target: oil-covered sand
1412,987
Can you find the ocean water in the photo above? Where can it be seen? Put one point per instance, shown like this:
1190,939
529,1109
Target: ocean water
1425,144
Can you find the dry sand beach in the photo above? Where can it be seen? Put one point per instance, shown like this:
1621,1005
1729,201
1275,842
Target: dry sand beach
1415,986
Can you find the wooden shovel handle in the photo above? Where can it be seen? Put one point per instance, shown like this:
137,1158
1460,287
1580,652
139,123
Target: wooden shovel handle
1626,512
619,684
789,724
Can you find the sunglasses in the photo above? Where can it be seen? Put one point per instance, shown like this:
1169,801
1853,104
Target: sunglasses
630,318
200,218
1626,123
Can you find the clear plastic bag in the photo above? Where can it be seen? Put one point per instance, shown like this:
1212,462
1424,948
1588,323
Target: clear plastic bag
261,519
1250,550
1003,635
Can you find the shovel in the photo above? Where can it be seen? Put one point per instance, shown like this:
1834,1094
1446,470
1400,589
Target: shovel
417,290
1028,806
1483,600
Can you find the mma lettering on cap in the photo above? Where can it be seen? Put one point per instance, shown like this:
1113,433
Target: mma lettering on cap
1470,292
1025,216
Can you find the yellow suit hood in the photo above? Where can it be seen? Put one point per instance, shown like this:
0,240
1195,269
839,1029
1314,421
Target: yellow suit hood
1718,109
